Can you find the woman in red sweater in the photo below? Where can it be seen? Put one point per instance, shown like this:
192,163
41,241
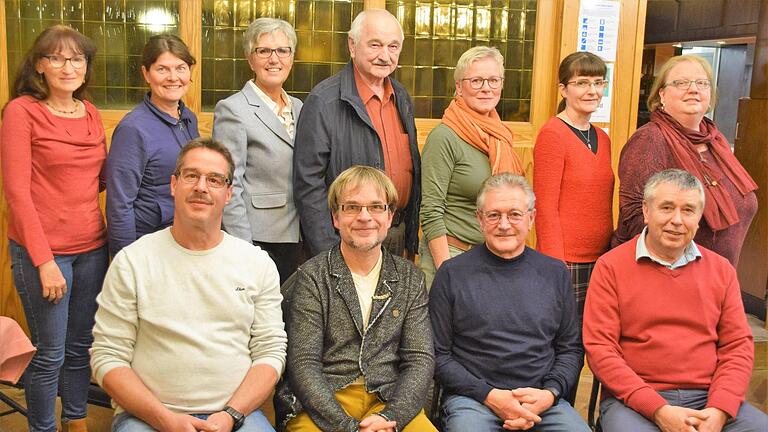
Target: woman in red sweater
572,174
53,148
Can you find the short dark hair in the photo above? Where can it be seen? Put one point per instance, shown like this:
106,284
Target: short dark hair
210,144
52,39
157,45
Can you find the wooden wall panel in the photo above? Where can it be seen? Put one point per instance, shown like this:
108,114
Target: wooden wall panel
191,31
10,305
671,21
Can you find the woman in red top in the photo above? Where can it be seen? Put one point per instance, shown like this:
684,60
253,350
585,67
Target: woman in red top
53,148
572,174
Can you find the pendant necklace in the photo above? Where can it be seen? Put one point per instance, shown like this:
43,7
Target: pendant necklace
585,137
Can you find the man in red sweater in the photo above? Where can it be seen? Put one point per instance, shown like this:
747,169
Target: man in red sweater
664,327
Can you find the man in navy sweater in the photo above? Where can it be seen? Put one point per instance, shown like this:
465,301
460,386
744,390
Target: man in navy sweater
507,337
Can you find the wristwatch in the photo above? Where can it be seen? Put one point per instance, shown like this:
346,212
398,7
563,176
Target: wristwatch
555,392
236,415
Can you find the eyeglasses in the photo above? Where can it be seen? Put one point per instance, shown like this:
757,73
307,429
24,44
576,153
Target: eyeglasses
514,217
477,83
701,84
265,52
58,61
213,180
354,209
584,84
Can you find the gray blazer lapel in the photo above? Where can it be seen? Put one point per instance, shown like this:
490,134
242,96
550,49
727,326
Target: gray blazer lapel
386,288
266,115
345,287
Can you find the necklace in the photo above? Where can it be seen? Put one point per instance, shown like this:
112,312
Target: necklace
584,136
77,106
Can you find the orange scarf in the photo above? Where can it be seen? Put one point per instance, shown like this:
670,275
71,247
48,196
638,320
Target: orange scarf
486,133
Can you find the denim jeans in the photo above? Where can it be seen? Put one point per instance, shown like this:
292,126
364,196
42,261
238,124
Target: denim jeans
615,416
463,414
62,334
254,422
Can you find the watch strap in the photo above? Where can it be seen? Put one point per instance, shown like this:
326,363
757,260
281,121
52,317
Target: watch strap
236,415
555,392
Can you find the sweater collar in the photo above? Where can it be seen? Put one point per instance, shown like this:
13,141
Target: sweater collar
503,261
690,254
186,115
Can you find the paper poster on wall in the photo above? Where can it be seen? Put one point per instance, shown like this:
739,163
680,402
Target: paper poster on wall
603,112
599,28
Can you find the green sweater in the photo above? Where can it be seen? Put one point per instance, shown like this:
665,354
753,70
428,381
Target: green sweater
452,172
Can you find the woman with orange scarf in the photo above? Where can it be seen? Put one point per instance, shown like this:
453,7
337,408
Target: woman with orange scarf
468,146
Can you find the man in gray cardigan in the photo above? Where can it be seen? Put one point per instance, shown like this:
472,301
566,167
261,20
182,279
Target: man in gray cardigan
360,343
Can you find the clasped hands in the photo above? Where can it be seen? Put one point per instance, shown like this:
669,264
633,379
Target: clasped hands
680,419
519,408
377,423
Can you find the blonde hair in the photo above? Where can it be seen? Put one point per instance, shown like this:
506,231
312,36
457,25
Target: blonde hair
474,54
358,175
654,100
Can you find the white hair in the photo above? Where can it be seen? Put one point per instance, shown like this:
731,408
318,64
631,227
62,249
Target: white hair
357,23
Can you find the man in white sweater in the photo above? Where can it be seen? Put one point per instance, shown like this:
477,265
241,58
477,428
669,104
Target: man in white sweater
189,333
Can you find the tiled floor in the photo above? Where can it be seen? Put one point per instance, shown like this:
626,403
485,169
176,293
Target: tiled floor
99,419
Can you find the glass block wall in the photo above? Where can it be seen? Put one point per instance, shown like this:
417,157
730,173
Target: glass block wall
119,28
437,33
321,27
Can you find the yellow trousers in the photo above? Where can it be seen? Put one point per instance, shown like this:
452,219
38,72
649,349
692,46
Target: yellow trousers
359,404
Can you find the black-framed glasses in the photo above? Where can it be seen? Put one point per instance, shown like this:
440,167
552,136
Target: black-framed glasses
477,82
265,52
701,84
353,209
494,217
57,61
213,180
585,83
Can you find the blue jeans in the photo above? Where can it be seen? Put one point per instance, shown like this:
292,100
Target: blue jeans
615,416
62,333
254,422
462,414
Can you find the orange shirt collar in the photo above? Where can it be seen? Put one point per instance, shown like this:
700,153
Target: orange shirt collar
366,93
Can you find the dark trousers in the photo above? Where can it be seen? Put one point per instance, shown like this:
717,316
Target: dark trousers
287,257
395,241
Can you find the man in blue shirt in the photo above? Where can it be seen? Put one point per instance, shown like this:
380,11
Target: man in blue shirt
507,339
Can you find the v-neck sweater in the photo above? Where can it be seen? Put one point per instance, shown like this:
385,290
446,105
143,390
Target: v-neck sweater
574,194
648,328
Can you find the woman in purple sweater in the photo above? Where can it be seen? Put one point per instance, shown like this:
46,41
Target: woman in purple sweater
679,136
145,145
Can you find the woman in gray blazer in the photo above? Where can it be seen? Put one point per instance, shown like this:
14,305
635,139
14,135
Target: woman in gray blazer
257,125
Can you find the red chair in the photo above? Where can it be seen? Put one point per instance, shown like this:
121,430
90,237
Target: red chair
16,351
